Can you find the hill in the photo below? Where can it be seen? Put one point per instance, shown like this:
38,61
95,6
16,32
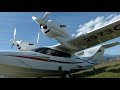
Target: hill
110,69
111,57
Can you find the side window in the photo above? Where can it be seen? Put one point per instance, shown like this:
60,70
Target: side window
43,51
53,52
48,52
63,54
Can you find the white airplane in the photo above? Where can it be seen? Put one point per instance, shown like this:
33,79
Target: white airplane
61,59
24,45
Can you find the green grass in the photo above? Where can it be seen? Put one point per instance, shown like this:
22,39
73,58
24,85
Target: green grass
104,70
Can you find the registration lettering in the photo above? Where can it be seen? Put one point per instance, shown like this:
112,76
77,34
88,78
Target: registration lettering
100,34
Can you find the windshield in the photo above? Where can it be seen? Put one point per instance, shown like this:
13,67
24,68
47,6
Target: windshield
52,52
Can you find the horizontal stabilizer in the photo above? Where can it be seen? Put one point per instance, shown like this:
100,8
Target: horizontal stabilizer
94,49
111,44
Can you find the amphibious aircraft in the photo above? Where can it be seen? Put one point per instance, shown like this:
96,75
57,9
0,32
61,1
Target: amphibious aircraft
64,58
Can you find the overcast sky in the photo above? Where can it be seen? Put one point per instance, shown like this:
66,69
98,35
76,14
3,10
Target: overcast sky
76,22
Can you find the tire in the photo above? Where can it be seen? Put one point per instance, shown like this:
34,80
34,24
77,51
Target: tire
66,74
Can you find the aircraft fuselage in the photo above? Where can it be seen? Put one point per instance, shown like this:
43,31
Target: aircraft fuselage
44,61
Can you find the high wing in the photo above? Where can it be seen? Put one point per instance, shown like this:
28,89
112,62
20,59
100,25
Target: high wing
94,37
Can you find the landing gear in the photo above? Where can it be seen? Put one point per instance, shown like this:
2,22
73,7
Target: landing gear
94,69
66,74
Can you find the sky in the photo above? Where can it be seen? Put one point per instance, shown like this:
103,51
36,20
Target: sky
76,23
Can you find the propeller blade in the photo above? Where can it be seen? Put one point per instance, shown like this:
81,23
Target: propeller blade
38,37
38,21
41,21
34,18
45,15
12,46
14,33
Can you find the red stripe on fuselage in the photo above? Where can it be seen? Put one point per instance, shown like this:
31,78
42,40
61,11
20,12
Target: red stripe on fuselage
33,58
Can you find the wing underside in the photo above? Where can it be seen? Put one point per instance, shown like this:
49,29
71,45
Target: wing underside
97,36
94,37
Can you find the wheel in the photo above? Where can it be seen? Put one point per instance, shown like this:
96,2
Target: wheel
94,70
66,74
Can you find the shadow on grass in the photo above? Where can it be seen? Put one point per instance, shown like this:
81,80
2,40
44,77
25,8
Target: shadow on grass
114,70
116,65
90,73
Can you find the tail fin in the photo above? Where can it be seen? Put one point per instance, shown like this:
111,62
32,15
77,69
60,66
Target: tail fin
98,57
95,54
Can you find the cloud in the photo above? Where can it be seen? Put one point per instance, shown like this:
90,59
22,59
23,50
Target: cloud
96,23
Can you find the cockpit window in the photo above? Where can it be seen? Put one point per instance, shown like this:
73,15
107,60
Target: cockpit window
41,50
52,52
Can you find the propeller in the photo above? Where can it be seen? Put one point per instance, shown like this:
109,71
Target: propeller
12,46
14,33
45,15
42,20
38,36
14,40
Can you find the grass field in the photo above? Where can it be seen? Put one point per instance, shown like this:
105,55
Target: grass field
109,69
